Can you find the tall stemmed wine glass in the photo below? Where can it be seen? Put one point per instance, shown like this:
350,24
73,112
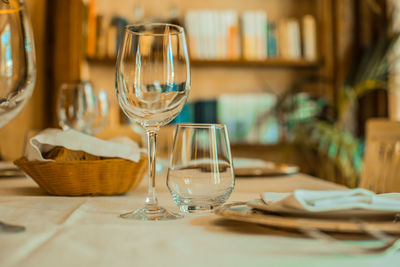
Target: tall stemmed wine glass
17,59
152,82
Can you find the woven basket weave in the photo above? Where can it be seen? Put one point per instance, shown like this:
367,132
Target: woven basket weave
87,177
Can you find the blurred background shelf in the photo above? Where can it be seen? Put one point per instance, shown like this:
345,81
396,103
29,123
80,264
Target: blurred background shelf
272,62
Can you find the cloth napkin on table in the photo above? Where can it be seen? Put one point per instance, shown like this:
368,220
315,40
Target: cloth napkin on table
120,147
329,200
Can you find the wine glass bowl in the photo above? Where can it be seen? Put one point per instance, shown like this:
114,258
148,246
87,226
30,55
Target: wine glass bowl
153,83
152,75
17,59
81,108
76,106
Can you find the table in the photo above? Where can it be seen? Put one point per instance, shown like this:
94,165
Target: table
86,231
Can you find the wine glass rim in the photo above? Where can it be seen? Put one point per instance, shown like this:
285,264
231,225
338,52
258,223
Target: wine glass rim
130,29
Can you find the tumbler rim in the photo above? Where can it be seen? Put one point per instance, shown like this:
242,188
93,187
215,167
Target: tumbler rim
132,29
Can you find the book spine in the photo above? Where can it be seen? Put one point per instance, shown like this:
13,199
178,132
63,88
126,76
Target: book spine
294,39
112,41
219,28
201,18
309,38
92,29
191,34
101,38
283,39
233,35
272,40
261,35
246,35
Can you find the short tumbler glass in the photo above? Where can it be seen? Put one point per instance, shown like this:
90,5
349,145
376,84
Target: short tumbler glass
200,175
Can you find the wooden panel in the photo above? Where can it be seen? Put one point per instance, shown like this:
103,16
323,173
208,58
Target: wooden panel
346,30
65,22
326,46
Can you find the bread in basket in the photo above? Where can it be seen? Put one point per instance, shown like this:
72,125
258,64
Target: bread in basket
77,173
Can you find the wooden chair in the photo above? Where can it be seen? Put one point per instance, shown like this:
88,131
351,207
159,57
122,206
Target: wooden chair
381,166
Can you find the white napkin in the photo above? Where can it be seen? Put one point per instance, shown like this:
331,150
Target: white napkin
329,200
121,147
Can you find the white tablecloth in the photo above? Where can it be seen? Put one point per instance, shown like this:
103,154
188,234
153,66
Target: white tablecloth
86,231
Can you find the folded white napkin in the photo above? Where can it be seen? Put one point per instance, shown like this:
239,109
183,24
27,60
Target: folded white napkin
318,201
121,147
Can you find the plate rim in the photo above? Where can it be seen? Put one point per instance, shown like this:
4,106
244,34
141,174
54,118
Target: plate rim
299,224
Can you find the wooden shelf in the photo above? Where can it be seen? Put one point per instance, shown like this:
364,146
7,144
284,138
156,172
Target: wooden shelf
278,62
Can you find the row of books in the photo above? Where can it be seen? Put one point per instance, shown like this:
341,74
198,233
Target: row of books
215,35
222,35
243,124
103,32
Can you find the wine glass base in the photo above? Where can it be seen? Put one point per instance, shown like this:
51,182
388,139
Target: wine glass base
203,208
153,214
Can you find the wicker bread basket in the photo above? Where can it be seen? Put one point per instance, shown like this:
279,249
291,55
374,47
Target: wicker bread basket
85,177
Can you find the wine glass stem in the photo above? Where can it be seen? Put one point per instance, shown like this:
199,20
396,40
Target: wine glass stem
151,199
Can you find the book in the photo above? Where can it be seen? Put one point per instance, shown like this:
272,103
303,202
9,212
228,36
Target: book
283,45
309,37
249,36
233,50
192,33
261,35
112,47
294,39
92,29
101,37
289,38
272,38
119,23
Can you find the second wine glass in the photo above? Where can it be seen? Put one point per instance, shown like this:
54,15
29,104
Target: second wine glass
153,82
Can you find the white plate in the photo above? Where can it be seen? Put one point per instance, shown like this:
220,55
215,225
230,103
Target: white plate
258,167
9,170
244,213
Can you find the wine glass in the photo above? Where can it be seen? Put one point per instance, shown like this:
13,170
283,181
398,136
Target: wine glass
76,106
17,59
153,83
